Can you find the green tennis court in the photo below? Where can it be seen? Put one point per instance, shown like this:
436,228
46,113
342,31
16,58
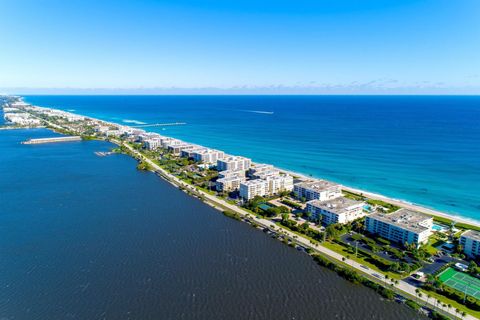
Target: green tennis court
461,282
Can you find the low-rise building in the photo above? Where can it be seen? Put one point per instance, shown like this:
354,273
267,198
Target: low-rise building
233,163
250,189
339,210
317,190
279,183
208,156
259,168
229,184
402,226
470,241
231,173
152,144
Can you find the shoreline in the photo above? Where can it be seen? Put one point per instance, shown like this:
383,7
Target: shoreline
402,287
373,195
399,202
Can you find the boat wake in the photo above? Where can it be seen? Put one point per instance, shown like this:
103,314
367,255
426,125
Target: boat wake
258,111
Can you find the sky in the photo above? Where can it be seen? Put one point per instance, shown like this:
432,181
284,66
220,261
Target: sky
247,46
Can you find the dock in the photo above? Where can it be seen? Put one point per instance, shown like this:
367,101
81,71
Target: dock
52,140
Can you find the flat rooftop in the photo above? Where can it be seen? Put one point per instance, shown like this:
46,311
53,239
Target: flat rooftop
318,185
338,205
472,234
405,219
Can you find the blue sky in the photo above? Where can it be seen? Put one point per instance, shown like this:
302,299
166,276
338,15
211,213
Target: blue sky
404,46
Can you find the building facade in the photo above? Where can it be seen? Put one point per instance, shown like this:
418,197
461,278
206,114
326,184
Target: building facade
250,189
402,226
317,190
339,210
470,241
233,163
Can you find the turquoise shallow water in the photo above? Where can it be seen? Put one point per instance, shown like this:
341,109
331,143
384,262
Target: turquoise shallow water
423,149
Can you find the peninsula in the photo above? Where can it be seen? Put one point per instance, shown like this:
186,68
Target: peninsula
424,258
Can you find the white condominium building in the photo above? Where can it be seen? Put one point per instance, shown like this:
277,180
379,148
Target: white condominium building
402,226
231,173
229,184
152,144
250,189
206,155
317,190
279,183
259,167
470,241
233,163
170,142
184,149
339,210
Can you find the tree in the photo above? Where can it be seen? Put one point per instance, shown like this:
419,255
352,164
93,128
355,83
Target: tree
472,267
284,217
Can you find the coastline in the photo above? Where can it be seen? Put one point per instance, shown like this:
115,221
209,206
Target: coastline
402,287
402,201
370,194
399,202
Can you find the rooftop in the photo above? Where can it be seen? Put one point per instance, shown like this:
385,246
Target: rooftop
338,205
254,182
318,185
405,219
472,234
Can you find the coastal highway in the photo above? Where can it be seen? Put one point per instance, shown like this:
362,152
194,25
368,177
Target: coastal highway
403,286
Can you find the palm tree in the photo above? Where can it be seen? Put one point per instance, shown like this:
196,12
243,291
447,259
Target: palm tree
457,311
417,291
464,314
428,298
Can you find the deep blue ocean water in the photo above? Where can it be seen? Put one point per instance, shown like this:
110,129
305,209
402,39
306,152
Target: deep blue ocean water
423,149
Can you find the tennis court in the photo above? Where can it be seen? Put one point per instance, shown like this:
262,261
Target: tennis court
461,282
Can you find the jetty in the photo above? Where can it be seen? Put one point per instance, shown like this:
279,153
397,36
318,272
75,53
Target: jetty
159,125
52,140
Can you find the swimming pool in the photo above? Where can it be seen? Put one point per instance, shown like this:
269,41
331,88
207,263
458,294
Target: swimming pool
439,228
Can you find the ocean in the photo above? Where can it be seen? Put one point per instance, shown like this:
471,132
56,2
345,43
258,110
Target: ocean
421,149
89,237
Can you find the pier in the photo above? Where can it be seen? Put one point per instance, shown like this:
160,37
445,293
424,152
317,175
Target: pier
52,140
160,125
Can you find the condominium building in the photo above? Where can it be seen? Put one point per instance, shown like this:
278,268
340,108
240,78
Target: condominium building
402,226
317,190
231,173
229,184
279,183
208,156
470,241
152,144
183,149
339,210
233,163
250,189
259,168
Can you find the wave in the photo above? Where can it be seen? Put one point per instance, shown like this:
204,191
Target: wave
133,121
258,111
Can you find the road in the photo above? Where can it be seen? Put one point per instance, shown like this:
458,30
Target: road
402,286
